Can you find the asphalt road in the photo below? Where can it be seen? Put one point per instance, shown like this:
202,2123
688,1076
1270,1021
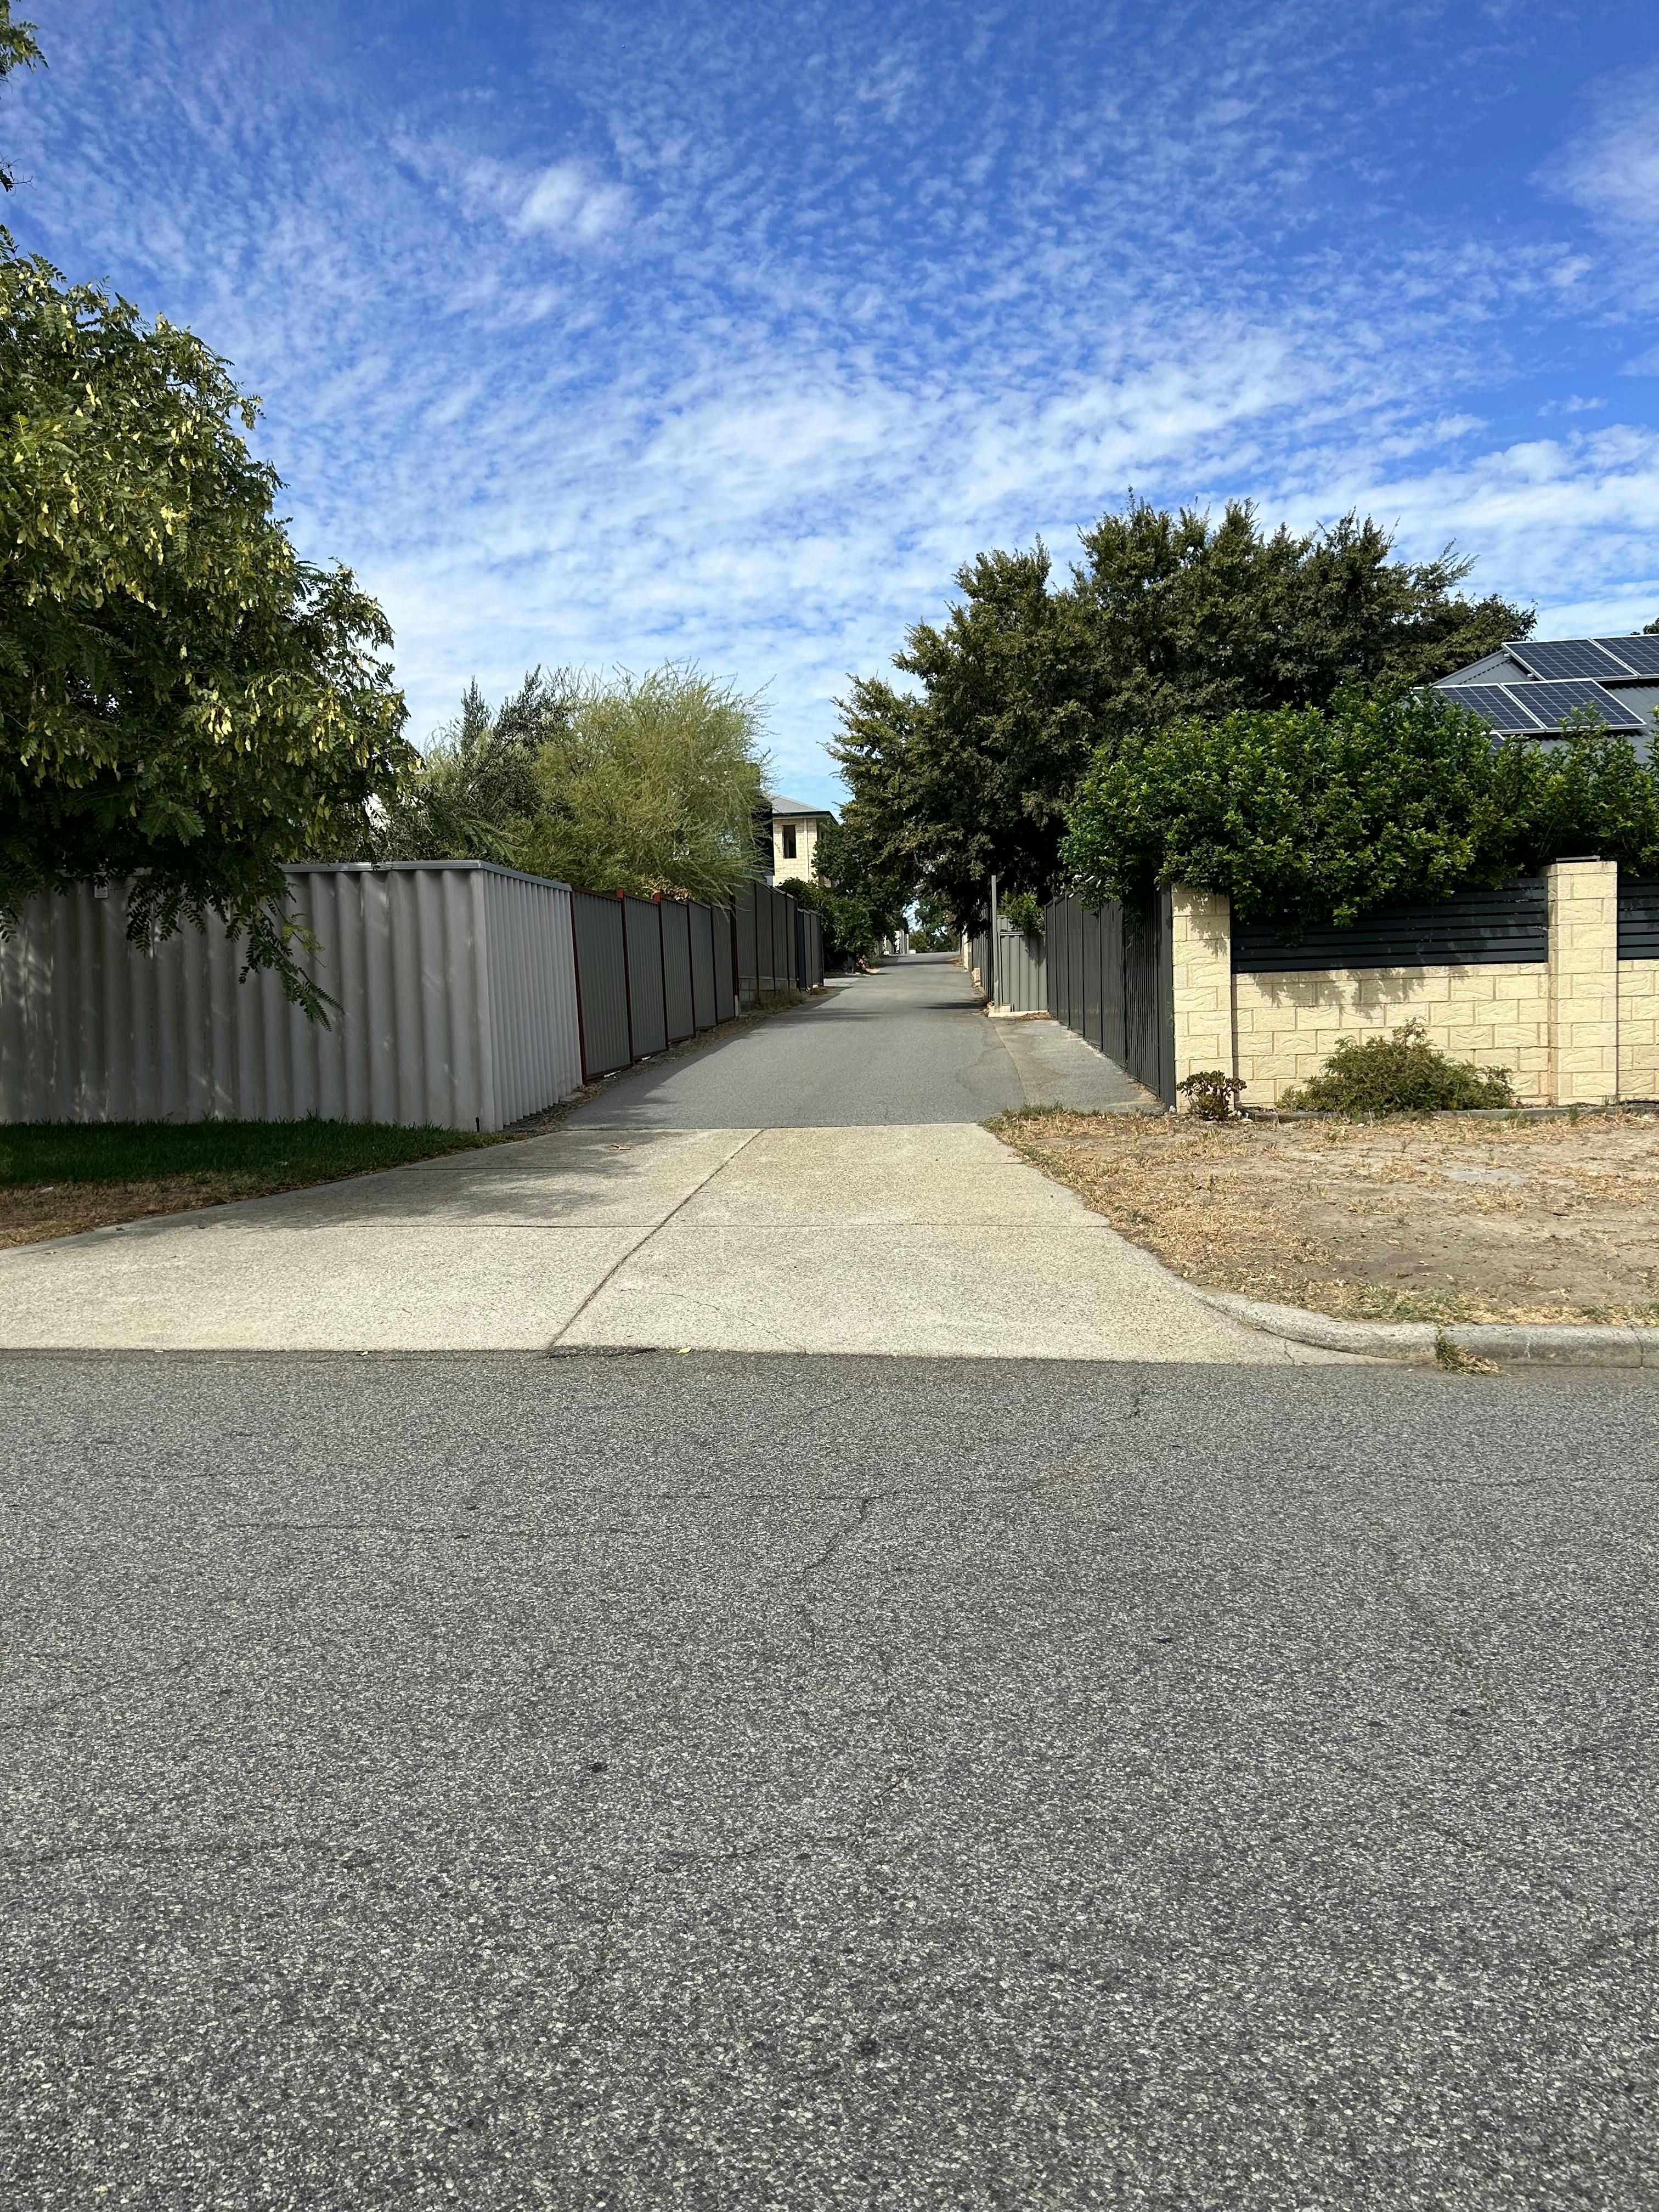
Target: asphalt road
908,1044
720,1782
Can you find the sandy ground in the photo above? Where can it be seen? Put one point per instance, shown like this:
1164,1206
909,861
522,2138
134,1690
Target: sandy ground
1446,1217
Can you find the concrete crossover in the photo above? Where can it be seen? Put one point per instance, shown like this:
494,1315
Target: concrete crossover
722,1202
901,1240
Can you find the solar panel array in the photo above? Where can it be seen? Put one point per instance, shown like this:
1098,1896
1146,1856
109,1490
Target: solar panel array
1530,709
1640,654
1565,656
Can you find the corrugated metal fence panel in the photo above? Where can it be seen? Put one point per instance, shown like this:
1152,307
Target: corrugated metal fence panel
1470,929
1638,918
676,969
1021,972
534,1029
744,906
809,944
602,983
94,1028
725,969
979,959
765,972
702,920
1149,1000
647,1013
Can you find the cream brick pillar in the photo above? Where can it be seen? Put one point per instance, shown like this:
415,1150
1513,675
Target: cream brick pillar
1583,898
1201,945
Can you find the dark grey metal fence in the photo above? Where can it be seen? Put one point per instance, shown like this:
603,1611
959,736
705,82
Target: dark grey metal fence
744,920
726,964
1115,987
680,1010
1470,929
647,1015
702,964
1638,918
601,983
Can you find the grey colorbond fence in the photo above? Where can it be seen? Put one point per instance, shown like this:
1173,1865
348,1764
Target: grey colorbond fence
650,973
809,947
647,1004
602,984
1470,929
702,920
455,993
1114,985
1021,982
767,953
676,969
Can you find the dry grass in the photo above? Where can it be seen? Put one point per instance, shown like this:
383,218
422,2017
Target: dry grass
57,1179
1443,1218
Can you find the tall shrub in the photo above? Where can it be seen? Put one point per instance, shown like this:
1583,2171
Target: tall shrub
1308,815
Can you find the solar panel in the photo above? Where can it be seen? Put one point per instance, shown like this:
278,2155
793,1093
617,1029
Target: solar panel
1565,656
1554,703
1540,710
1495,704
1640,654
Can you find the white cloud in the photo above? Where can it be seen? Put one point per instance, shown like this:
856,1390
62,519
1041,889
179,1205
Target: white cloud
1611,167
821,321
565,201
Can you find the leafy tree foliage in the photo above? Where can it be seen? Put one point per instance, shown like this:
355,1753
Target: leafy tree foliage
19,49
475,795
639,784
183,700
1309,815
1166,617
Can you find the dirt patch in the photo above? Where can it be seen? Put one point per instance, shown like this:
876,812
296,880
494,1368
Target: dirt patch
30,1216
1444,1218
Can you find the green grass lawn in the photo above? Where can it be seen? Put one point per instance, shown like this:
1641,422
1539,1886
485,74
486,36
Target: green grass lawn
239,1156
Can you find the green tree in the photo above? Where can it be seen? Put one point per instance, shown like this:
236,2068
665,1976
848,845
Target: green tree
969,772
475,795
183,700
1309,815
649,784
19,49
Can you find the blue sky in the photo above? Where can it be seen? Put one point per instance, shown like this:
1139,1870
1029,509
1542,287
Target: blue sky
608,334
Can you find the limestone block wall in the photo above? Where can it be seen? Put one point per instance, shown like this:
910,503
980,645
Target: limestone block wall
1201,962
1638,1029
1584,981
1581,1028
1285,1027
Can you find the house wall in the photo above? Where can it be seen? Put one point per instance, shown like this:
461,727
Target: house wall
807,838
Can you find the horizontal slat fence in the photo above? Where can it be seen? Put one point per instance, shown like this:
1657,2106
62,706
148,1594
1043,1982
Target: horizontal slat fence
1470,929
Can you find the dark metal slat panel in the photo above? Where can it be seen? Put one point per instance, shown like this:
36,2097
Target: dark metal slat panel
1472,928
1638,918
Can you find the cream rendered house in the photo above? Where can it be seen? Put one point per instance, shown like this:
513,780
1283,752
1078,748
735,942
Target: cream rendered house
795,828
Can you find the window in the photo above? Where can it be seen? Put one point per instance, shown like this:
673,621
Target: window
787,834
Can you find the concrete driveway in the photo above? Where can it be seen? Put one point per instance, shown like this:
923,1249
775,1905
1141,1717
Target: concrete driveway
815,1183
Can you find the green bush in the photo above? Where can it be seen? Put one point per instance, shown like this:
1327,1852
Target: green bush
1400,1075
1305,816
1023,909
1212,1094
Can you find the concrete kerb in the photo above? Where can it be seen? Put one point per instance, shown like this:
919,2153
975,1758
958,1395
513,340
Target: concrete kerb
1419,1343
